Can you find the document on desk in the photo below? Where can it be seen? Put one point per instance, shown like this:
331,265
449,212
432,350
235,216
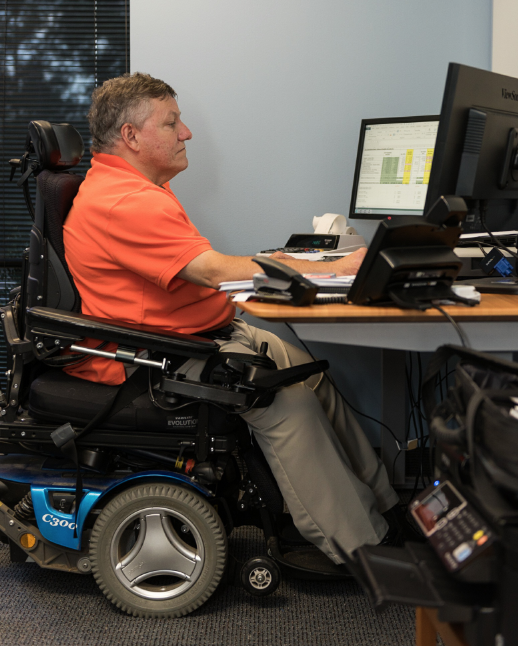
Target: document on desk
502,234
234,285
245,288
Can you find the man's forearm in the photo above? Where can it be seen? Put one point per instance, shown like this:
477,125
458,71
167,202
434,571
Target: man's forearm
212,268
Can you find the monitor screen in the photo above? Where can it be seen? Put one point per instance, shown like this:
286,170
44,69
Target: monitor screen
476,151
393,167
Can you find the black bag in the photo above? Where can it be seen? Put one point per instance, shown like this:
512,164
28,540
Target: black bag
475,426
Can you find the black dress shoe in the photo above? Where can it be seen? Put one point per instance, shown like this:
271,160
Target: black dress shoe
396,518
393,538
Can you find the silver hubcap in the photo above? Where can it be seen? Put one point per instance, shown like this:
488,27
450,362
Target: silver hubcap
154,556
260,578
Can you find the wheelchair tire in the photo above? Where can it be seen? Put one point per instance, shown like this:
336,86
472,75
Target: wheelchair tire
260,576
158,550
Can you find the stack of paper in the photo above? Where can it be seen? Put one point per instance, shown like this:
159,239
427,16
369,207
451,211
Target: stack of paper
245,288
336,281
234,285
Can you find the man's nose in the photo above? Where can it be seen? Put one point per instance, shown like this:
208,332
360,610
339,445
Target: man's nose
185,133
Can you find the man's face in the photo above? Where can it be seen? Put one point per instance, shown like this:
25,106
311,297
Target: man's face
162,141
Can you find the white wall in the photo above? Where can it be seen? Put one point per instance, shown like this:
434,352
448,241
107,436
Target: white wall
505,42
274,92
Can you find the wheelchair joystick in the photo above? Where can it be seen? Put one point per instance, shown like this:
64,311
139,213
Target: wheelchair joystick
262,360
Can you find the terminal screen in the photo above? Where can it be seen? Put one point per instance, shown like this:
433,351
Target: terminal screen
437,506
395,164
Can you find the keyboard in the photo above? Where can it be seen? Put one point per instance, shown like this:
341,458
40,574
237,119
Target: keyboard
316,247
339,289
507,238
322,255
291,250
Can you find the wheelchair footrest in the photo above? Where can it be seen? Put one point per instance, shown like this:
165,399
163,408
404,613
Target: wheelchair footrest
315,560
307,563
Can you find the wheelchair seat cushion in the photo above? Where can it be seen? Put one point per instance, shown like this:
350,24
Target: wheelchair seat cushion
56,397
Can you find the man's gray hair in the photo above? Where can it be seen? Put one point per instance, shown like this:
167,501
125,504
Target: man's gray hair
125,99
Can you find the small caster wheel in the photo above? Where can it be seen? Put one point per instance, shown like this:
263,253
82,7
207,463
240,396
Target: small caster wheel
260,576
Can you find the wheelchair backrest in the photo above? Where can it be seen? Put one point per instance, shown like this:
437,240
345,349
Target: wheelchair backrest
57,191
58,147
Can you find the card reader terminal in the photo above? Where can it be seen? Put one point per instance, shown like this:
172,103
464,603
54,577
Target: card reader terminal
458,534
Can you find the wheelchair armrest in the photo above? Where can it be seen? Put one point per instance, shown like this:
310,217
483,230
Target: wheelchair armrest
246,392
289,376
45,321
15,343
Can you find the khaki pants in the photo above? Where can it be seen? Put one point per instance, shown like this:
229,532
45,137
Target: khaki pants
333,482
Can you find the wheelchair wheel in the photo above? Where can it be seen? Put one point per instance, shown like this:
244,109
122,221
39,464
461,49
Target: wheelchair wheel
260,576
158,550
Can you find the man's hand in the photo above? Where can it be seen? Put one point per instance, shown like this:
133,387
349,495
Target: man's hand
346,266
278,255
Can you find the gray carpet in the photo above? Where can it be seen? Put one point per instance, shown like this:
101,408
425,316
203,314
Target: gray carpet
43,608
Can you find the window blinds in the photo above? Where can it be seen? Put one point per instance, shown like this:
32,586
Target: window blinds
54,54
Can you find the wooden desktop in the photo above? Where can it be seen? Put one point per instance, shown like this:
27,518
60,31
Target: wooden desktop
491,326
493,307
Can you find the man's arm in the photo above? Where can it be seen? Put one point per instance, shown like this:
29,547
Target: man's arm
211,268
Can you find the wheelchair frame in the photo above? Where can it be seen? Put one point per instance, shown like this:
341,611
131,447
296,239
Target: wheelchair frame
65,487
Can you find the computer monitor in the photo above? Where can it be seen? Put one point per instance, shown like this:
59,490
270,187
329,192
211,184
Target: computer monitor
476,151
393,167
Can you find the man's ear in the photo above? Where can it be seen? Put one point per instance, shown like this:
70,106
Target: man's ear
130,136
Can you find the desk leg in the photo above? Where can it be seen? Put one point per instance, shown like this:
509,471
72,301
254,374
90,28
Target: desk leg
425,633
393,412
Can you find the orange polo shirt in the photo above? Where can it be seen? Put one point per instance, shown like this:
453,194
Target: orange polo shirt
126,239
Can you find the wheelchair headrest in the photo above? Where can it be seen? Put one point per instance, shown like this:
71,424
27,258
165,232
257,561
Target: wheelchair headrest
58,146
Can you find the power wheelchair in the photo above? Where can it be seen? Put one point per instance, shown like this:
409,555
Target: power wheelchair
139,484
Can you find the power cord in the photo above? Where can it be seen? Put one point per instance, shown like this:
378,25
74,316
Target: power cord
418,418
496,241
333,383
481,245
458,329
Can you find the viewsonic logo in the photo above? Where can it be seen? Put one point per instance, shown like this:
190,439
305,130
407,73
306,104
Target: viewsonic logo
509,95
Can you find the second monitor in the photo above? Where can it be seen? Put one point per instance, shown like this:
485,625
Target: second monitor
393,166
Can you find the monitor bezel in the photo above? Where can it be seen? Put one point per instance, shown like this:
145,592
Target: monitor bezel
379,121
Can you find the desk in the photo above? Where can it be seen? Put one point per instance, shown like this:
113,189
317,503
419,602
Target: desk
427,626
491,326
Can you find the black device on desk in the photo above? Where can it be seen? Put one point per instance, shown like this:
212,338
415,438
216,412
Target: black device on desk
324,247
282,284
309,242
393,167
476,159
288,286
410,260
476,156
475,153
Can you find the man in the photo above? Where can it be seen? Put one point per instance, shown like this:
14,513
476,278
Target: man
136,257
